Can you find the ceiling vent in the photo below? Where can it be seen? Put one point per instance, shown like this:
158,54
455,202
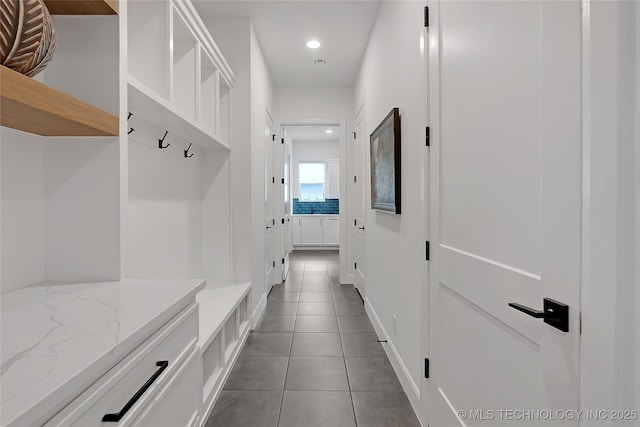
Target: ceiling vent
319,62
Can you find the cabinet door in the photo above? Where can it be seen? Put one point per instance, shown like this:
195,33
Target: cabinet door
333,179
331,231
295,230
178,404
311,233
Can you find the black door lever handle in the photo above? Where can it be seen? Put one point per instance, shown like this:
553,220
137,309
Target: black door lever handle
538,314
553,312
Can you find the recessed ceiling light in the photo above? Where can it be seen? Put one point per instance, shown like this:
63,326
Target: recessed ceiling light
313,44
328,131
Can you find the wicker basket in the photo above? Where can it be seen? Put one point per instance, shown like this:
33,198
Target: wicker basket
27,37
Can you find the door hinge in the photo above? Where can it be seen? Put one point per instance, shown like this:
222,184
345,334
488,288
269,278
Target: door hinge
426,16
354,135
282,180
426,249
282,260
282,141
273,137
427,138
273,263
426,367
355,178
355,265
273,179
355,222
580,319
283,220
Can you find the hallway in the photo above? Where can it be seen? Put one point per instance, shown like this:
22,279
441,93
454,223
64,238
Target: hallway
313,359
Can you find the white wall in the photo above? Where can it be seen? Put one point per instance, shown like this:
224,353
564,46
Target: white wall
23,209
252,97
610,324
392,75
299,103
637,222
305,151
261,108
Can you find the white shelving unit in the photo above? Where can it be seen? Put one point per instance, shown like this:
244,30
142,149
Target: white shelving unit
224,326
120,207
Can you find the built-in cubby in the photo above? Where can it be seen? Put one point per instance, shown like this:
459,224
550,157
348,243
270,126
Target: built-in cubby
60,195
178,217
224,327
212,365
148,43
177,76
184,54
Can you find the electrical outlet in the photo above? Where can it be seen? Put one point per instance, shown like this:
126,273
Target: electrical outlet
395,321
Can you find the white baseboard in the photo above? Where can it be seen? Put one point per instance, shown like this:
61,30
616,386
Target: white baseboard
347,279
408,384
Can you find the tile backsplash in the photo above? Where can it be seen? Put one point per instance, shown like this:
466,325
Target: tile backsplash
328,207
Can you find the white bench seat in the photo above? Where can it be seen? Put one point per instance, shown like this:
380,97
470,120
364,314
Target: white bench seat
224,327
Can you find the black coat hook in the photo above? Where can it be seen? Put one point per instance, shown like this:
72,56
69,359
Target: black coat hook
161,141
186,152
129,116
131,130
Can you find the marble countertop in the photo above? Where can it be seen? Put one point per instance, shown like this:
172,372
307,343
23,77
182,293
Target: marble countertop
58,338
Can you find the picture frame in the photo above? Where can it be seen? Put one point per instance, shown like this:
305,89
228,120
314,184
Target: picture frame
385,164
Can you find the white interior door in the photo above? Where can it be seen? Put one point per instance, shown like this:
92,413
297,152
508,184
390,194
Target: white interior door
360,267
505,183
269,210
286,203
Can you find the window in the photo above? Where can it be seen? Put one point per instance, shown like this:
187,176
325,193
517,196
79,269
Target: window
311,181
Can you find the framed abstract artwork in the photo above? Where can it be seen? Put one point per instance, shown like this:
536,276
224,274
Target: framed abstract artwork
385,164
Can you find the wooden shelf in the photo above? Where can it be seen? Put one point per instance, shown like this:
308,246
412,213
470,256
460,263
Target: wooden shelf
33,107
82,7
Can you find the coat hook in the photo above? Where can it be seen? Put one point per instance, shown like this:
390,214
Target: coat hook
131,130
161,141
129,116
186,152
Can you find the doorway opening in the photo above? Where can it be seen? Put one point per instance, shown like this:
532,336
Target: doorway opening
310,164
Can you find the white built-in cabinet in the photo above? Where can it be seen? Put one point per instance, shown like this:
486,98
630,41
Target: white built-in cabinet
152,202
315,230
331,231
333,179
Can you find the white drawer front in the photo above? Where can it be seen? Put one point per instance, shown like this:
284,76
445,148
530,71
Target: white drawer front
111,393
178,403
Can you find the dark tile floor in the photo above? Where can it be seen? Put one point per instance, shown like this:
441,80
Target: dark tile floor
313,359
